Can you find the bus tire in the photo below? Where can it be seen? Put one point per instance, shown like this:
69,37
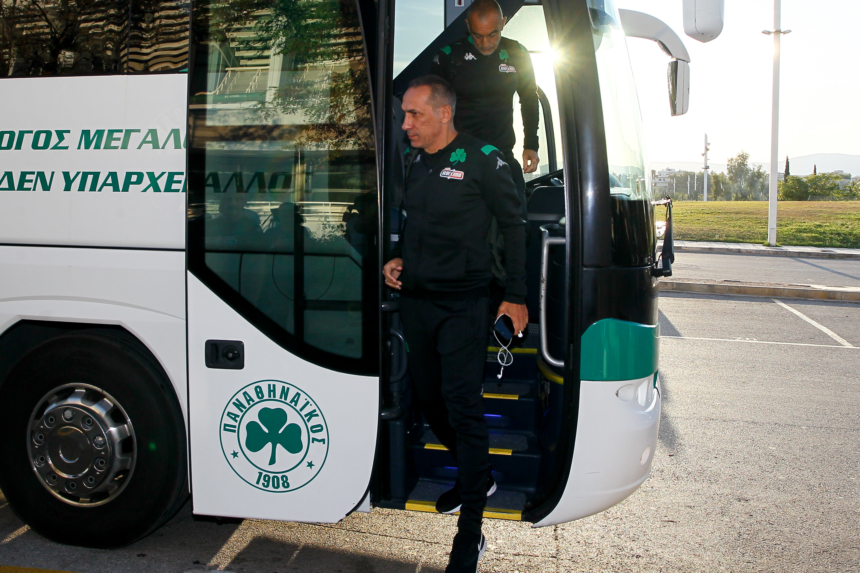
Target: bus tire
92,440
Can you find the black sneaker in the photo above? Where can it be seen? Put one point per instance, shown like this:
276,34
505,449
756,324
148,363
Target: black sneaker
466,553
449,502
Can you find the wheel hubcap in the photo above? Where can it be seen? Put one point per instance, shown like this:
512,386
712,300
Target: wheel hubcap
82,444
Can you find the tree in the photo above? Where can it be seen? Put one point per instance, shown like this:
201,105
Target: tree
787,172
824,185
793,189
739,168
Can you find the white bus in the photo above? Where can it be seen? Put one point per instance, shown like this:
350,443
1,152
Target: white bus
192,227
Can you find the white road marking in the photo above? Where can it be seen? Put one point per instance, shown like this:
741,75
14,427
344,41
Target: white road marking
820,327
757,342
14,534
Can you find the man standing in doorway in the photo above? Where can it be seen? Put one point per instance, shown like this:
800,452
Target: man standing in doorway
486,70
456,185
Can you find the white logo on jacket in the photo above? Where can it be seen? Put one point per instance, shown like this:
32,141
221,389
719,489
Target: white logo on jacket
469,56
499,163
449,173
507,69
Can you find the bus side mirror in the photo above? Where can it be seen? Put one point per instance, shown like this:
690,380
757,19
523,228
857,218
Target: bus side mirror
703,19
679,86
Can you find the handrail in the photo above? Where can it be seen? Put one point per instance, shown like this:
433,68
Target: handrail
544,272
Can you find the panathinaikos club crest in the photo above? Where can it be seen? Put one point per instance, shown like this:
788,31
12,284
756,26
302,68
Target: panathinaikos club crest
274,436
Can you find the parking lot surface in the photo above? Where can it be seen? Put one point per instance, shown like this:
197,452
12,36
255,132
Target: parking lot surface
756,470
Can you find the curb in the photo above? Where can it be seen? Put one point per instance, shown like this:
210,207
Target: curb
769,251
773,291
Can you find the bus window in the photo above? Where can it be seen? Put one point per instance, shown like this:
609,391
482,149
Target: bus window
158,36
91,39
416,24
98,37
282,173
528,27
633,233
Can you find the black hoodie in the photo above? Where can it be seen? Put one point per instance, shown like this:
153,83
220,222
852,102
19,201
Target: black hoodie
451,197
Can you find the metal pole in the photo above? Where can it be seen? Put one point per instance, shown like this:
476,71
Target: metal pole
706,167
774,136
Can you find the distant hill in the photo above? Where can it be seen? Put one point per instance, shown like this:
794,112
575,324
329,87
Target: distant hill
798,165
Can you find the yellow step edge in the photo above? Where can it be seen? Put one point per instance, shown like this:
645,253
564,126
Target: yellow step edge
501,396
549,374
514,350
492,513
496,451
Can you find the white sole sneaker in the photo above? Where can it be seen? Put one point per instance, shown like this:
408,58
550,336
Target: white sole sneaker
482,547
490,492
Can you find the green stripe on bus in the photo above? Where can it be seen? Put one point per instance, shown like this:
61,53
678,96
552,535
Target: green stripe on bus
619,350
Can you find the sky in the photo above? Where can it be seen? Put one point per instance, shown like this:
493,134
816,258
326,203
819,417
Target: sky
731,82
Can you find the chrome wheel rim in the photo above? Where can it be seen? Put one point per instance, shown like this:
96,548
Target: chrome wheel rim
82,445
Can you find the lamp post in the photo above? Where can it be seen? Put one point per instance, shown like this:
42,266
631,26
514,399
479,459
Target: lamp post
777,33
706,167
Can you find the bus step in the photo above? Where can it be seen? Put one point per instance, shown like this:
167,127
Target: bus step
489,513
511,413
501,505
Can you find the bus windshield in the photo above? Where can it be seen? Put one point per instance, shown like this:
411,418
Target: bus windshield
622,119
633,235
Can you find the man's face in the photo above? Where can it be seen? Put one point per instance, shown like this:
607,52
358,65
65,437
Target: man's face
486,31
423,124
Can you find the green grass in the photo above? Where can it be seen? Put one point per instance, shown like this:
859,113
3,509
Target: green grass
811,223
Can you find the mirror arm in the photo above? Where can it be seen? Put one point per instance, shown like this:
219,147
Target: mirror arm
663,267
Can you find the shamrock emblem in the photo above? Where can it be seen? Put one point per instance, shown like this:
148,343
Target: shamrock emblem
274,420
458,156
503,55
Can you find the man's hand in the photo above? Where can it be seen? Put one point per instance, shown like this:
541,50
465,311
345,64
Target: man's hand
391,271
518,312
530,161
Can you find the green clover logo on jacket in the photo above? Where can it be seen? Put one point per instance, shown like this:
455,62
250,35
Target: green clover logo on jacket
458,156
503,55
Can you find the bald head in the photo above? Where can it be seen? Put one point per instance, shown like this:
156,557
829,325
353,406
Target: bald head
483,8
485,22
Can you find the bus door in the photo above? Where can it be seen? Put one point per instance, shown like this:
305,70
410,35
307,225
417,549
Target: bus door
283,270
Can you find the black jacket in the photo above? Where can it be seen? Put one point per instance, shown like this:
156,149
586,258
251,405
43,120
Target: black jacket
451,197
485,87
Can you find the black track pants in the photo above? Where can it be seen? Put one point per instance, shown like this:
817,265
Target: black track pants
447,343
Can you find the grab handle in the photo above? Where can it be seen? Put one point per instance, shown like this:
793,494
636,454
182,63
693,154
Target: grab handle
544,275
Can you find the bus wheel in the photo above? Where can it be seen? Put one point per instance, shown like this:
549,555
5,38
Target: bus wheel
92,440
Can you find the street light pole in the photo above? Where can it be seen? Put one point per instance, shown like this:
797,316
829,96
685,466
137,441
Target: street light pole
705,155
774,135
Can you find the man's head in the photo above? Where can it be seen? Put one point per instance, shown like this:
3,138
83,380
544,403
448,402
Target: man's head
429,106
485,21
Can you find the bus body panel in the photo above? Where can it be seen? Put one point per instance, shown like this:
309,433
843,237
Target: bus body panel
142,291
615,444
93,161
237,416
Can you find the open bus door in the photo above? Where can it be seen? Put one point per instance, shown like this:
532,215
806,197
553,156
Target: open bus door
283,270
573,423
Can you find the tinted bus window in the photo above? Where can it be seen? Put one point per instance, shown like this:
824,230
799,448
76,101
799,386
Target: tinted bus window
55,38
282,174
158,36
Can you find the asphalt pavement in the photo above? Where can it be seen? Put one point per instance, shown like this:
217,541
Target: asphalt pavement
756,470
767,269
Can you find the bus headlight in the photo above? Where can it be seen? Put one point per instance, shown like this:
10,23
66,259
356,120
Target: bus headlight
641,391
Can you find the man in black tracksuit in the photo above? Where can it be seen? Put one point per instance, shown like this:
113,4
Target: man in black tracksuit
456,185
486,70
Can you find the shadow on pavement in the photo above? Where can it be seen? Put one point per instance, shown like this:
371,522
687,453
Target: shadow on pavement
264,555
